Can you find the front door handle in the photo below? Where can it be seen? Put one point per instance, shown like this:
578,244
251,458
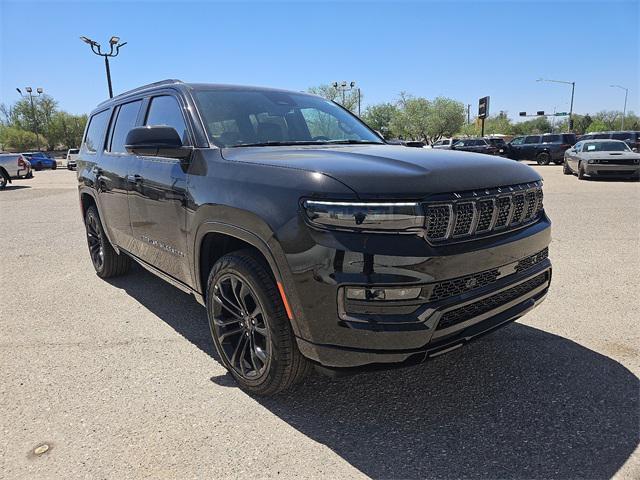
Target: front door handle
134,178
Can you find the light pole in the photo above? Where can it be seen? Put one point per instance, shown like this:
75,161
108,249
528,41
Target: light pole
624,111
114,44
573,87
344,87
39,91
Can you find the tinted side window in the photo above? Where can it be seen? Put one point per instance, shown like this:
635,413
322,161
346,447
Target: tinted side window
532,139
126,120
165,110
601,135
569,138
94,139
622,136
551,139
517,141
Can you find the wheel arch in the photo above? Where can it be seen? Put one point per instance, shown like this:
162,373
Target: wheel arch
215,239
87,199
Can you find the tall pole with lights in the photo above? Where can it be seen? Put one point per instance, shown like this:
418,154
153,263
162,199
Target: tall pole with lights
39,91
573,87
345,87
624,111
114,50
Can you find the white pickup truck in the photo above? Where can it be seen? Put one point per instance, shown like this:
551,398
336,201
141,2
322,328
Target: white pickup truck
13,165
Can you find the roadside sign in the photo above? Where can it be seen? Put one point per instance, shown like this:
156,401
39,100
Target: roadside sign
483,107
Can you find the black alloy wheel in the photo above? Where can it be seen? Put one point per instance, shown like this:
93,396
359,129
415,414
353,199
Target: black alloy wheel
250,327
543,158
240,326
581,174
106,261
96,242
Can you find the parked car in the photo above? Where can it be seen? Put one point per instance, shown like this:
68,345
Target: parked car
630,137
309,239
499,143
12,166
544,149
40,160
445,143
590,158
72,155
476,145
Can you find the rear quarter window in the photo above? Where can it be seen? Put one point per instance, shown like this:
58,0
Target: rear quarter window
94,139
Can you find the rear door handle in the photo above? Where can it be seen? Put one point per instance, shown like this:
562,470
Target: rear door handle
134,178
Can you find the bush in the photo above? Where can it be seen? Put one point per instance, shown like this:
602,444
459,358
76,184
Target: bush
14,138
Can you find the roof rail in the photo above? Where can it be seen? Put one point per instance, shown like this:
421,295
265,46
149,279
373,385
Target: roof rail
168,81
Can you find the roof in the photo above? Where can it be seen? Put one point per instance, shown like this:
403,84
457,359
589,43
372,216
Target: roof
195,86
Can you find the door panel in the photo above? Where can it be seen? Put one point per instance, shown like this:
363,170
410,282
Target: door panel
157,199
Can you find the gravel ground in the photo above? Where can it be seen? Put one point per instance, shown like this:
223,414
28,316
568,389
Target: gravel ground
120,379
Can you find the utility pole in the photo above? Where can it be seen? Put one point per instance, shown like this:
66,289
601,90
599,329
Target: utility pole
468,113
624,111
573,88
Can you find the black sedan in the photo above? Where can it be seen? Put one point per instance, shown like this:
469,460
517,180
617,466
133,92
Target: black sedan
476,145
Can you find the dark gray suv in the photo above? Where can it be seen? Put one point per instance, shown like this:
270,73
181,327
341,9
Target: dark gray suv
544,149
309,240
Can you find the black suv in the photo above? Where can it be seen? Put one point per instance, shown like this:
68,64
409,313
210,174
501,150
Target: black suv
309,240
630,137
544,149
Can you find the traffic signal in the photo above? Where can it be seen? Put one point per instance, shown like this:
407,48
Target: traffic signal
571,124
540,112
523,114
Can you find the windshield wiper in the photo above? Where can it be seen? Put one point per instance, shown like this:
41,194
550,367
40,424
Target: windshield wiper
277,144
352,142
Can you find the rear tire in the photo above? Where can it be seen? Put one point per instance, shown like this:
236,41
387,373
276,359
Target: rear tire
106,261
249,325
543,158
54,166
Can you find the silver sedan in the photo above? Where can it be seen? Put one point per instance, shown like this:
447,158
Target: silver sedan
611,158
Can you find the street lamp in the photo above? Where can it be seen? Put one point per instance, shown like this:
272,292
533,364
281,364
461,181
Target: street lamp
114,50
39,91
624,111
573,87
345,87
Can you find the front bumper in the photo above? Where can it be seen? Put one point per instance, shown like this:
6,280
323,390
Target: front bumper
339,333
594,169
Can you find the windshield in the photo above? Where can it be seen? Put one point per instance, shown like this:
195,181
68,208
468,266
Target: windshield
235,118
616,146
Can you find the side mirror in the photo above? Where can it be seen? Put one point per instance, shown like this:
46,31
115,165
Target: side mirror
635,149
156,140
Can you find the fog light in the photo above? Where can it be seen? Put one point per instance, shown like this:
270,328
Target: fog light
380,294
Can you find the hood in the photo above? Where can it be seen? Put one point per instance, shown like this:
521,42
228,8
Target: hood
376,171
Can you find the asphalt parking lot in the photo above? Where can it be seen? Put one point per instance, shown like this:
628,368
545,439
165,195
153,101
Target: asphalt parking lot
120,378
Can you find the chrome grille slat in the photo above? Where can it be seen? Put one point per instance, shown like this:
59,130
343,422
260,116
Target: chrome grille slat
471,214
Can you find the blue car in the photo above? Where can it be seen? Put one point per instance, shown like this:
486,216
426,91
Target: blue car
40,160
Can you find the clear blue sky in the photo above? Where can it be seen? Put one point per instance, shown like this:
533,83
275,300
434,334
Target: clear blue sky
463,50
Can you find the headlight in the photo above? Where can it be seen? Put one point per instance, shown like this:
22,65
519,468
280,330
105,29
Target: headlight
592,161
392,216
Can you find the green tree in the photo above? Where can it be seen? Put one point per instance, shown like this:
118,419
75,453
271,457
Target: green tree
379,117
420,119
65,130
598,126
17,139
335,95
533,126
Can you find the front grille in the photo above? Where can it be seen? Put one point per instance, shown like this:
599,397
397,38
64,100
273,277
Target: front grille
462,314
457,286
531,260
617,161
471,214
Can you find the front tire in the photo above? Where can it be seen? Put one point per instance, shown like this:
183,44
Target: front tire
54,166
543,158
565,168
106,261
581,174
249,325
